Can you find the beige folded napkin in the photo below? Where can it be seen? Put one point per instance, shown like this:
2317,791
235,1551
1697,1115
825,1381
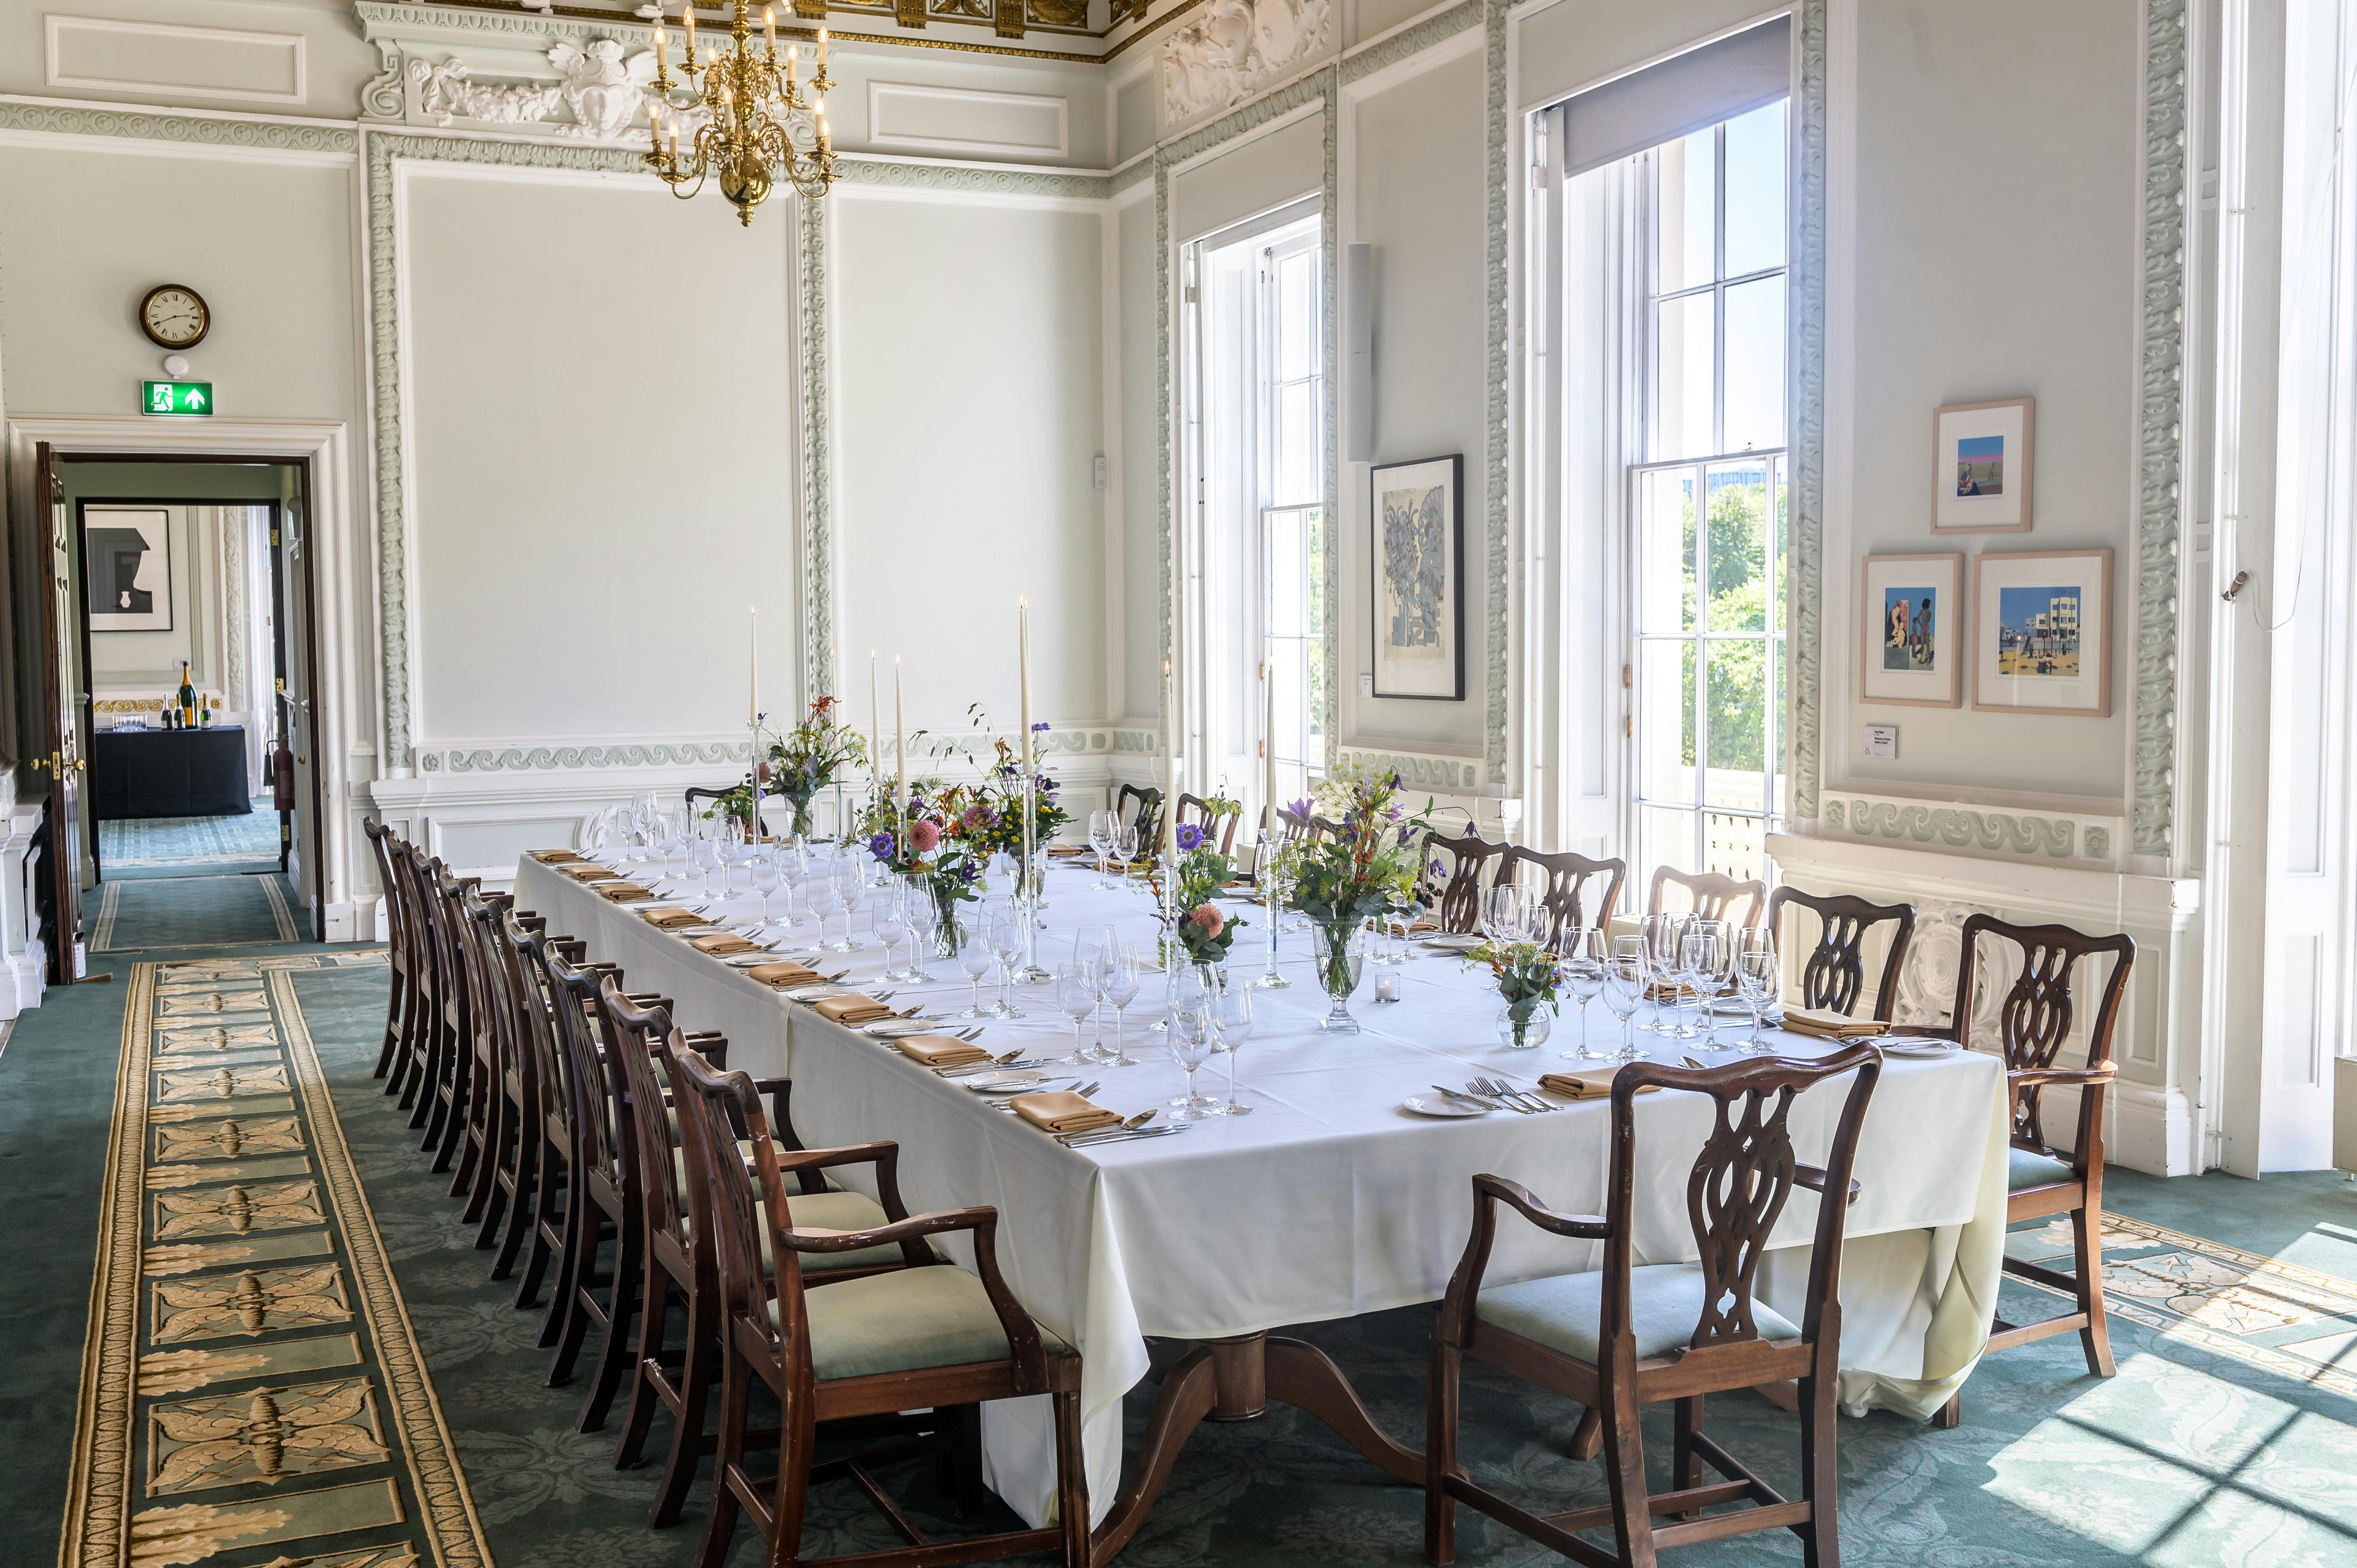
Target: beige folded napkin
1424,926
671,920
942,1050
555,857
720,944
854,1009
625,892
785,973
1068,850
1596,1083
582,871
1061,1111
1824,1023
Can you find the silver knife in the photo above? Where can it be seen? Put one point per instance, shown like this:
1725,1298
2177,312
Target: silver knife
1125,1137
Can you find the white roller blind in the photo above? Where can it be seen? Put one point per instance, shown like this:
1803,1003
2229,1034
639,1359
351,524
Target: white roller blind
1682,93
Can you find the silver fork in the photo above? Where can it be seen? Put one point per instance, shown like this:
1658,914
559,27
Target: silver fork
1524,1095
1501,1089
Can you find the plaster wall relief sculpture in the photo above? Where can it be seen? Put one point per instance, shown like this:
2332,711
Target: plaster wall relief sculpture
1238,47
599,85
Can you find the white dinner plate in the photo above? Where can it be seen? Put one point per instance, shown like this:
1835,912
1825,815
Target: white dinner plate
1460,942
1915,1046
1434,1105
816,992
749,960
898,1028
1013,1082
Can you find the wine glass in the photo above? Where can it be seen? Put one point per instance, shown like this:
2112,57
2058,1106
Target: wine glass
1006,946
976,957
1756,979
1626,978
1101,829
1190,1037
1499,913
1584,960
889,907
764,873
1119,986
920,915
1687,969
851,891
1123,848
1076,996
1233,1013
1660,937
827,899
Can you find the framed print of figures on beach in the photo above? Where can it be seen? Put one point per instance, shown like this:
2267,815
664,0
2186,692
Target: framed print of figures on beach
1980,466
2044,625
1913,618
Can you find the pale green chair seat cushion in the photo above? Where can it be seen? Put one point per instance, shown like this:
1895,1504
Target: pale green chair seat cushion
2024,1170
904,1321
1561,1312
833,1209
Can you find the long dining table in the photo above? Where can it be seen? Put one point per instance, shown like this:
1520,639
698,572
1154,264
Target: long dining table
1327,1200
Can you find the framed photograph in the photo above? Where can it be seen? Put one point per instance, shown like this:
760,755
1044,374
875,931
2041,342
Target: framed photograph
1913,621
127,569
1980,466
1417,547
2044,625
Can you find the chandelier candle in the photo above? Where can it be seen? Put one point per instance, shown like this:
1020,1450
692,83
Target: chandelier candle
753,134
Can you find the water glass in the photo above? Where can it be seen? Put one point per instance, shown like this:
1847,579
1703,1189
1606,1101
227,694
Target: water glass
1118,986
1626,978
976,957
1076,996
1006,935
1757,979
1193,1032
1584,960
1101,831
1233,1013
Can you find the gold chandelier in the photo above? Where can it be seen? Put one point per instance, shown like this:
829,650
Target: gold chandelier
747,121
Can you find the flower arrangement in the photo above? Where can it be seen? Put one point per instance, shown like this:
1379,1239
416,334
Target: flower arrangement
807,759
1526,973
1368,867
1198,926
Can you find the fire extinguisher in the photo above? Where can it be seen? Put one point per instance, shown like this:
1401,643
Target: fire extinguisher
281,769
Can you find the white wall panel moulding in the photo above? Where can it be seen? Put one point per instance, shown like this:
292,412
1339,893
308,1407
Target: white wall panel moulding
967,121
165,60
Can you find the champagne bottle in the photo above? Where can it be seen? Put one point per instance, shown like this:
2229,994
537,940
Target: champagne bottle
205,711
187,697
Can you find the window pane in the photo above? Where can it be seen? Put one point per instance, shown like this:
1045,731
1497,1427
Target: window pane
1735,846
1687,248
1292,678
1296,443
1667,839
1776,704
1663,729
1755,190
1684,355
1287,595
1297,317
1314,526
1665,551
1739,546
1736,703
1755,364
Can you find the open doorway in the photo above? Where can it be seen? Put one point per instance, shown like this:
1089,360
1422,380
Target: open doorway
181,662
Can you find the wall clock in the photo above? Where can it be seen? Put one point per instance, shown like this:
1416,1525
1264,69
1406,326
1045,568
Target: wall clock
174,315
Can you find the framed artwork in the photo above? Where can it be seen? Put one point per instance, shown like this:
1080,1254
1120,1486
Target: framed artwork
1913,621
1417,547
1980,466
2042,620
127,569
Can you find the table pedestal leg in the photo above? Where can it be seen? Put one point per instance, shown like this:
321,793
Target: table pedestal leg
1234,1379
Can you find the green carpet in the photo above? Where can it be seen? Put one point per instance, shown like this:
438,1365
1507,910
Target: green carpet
221,911
2212,1446
169,844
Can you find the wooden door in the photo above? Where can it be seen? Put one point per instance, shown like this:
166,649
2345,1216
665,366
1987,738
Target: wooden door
64,700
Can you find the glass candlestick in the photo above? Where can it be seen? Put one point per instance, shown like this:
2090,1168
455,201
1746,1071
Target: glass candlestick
1270,980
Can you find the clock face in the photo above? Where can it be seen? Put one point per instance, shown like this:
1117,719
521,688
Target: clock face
174,315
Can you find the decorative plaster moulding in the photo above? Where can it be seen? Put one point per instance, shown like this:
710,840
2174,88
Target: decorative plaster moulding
1420,769
1236,46
2054,837
79,49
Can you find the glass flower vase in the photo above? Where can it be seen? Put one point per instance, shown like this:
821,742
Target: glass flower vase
1524,1025
948,932
1339,953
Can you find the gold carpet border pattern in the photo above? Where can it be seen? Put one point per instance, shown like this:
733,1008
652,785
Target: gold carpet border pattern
220,1325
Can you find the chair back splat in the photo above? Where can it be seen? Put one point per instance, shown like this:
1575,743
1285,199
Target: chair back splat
1834,975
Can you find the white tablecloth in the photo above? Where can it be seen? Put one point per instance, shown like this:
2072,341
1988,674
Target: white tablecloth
1330,1200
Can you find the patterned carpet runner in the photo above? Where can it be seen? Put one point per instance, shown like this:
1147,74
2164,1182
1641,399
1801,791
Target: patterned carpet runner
140,843
252,1389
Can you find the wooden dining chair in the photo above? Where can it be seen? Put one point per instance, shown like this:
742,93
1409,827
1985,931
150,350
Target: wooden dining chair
1833,976
933,1336
1708,895
471,1127
1194,809
680,1266
1562,880
1452,887
1629,1334
510,1159
400,1000
548,1187
2033,1024
453,1020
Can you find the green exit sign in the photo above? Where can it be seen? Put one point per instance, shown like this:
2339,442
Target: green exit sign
177,397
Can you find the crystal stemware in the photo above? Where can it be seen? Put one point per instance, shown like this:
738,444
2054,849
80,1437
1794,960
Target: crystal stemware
1626,978
1076,997
1583,959
1118,985
976,955
1190,1038
1234,1015
1007,944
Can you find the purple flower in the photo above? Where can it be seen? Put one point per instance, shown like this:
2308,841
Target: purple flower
1040,728
880,846
1190,836
1298,807
1406,836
